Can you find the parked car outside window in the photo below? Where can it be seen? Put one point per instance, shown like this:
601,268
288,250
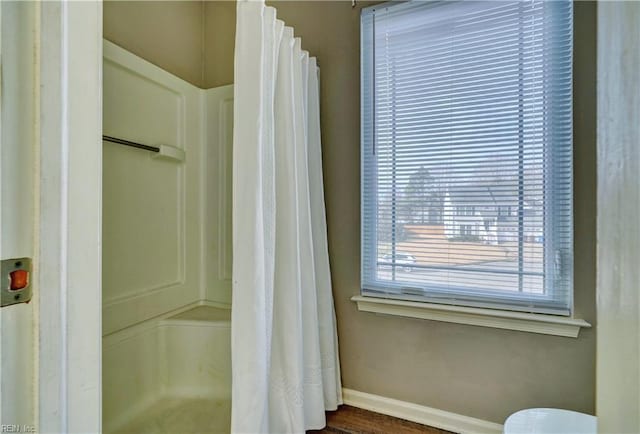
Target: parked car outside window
405,260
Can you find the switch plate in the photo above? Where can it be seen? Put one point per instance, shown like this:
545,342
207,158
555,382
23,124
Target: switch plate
22,295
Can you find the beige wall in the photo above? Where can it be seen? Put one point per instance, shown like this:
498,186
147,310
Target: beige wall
168,34
220,19
480,372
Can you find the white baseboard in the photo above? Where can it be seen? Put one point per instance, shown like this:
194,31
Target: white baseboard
419,413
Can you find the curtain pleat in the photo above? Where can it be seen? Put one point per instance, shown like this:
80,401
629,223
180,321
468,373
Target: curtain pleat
284,342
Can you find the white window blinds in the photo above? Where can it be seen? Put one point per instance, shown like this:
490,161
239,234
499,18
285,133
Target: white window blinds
467,153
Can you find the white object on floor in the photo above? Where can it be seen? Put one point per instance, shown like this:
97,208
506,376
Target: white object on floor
550,421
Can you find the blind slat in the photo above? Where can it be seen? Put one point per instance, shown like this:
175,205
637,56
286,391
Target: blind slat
467,153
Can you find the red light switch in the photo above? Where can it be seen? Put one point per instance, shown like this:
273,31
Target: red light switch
19,279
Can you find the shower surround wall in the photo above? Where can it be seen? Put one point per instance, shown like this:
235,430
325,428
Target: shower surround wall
166,250
152,218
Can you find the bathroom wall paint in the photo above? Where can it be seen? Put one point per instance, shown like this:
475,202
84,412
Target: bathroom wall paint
168,34
484,373
479,372
219,34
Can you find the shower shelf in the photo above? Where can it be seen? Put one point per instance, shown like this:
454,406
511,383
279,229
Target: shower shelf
163,152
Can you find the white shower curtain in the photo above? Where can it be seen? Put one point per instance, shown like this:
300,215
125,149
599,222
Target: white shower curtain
284,343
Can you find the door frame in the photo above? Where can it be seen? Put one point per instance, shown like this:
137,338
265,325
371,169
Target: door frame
69,392
618,294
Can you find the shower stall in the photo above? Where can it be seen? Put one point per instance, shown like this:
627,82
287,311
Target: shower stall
181,166
166,263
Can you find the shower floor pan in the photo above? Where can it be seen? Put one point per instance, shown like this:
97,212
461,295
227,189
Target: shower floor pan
171,376
182,415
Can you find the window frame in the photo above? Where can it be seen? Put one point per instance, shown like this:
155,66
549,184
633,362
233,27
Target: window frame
554,258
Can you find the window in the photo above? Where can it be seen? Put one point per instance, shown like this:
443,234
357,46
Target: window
464,210
467,153
504,211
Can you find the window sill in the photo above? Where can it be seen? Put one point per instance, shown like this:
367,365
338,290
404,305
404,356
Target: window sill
520,321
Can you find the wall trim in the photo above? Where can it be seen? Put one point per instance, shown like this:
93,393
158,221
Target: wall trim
508,320
419,413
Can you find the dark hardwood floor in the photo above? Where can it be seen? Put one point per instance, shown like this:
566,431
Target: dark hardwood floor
352,420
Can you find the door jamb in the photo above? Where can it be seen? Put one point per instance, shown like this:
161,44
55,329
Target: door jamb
70,220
